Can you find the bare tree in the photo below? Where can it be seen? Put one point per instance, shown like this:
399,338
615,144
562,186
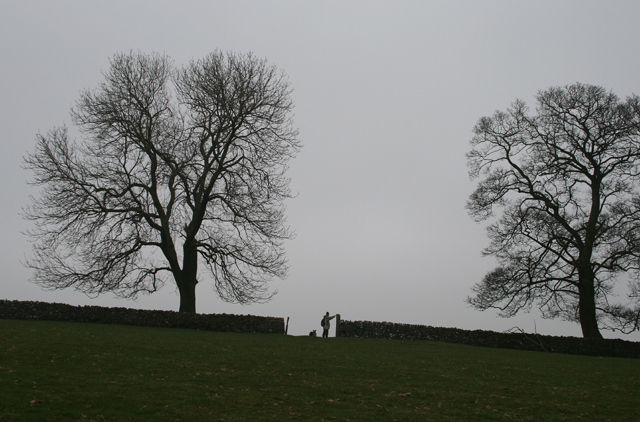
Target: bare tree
176,169
566,180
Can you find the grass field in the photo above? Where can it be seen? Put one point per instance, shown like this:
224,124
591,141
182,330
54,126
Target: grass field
51,371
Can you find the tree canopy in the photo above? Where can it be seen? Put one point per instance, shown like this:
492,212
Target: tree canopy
178,170
566,183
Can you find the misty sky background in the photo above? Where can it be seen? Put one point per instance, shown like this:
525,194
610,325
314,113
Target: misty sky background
386,96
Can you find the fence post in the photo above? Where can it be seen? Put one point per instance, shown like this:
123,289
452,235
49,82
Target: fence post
337,325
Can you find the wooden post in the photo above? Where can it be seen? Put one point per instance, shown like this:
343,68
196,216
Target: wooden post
338,325
286,328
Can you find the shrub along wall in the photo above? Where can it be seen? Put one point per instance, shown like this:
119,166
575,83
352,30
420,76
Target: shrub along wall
13,309
522,341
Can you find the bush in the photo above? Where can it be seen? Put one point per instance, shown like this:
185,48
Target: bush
211,322
522,341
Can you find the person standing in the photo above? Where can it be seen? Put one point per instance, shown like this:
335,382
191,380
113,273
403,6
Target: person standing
326,324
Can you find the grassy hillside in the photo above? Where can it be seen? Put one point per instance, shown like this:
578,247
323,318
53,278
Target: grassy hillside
92,372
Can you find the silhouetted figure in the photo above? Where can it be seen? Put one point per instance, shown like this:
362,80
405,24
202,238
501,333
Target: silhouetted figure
326,324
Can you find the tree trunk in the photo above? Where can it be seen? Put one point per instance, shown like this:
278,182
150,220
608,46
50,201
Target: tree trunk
587,278
187,289
188,280
587,308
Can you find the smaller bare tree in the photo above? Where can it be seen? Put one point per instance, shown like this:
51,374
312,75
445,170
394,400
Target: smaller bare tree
567,182
176,167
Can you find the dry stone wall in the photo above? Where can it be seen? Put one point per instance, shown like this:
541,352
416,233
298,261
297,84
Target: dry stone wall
146,318
514,340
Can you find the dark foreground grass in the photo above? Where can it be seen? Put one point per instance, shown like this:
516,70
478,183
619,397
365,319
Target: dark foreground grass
51,371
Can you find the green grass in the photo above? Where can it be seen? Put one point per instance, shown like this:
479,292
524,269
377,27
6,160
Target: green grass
51,371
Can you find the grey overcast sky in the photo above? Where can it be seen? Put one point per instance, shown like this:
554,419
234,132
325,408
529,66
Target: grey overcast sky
386,93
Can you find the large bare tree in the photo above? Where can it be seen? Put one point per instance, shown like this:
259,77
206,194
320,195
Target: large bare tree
178,172
567,182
